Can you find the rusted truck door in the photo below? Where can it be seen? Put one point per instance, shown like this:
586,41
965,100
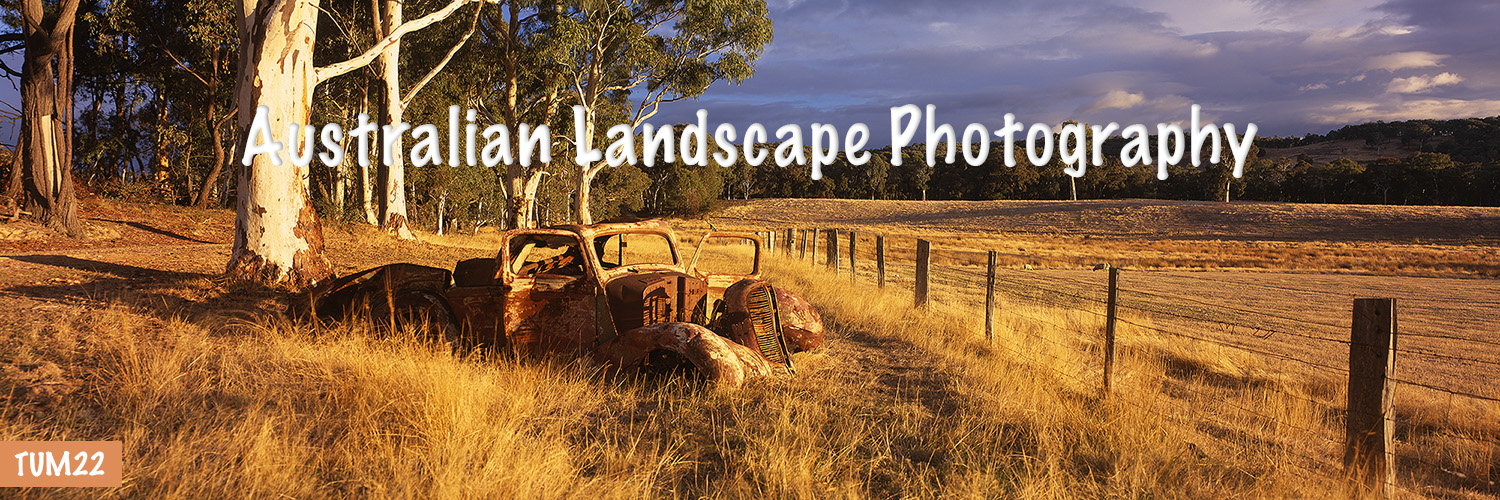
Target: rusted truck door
551,291
723,259
477,297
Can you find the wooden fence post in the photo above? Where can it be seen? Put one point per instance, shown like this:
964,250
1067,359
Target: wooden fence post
833,250
853,264
924,263
1109,327
989,302
880,260
1369,458
789,240
812,252
802,244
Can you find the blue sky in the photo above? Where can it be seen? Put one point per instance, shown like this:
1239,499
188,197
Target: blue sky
1290,66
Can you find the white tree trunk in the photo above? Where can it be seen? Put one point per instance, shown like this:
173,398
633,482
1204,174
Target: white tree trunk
367,194
442,204
393,216
278,238
366,184
586,170
585,186
528,210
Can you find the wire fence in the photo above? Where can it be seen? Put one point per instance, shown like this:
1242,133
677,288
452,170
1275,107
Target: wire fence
1284,396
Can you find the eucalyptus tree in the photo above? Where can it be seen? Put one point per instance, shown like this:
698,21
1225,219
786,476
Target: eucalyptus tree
278,237
390,18
46,142
640,54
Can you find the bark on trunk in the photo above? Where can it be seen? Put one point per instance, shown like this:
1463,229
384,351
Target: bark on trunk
46,108
214,133
212,179
366,183
580,202
278,239
13,178
528,193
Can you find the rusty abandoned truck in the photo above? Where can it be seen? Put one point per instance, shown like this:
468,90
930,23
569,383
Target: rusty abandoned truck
620,292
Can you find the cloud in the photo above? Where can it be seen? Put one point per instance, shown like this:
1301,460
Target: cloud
1290,66
1404,60
1117,99
1420,109
1420,84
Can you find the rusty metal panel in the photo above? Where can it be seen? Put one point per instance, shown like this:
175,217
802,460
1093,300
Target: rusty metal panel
479,313
800,321
719,359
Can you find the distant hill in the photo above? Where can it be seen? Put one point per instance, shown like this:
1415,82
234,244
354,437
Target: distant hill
1465,140
1330,150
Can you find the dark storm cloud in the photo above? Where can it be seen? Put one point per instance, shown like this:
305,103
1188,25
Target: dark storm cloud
1292,67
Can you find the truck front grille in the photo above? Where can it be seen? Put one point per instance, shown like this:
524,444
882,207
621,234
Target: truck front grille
762,310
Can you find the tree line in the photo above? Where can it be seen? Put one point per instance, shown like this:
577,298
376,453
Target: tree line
151,99
1423,162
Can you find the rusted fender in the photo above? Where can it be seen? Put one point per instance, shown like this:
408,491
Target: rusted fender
800,322
722,360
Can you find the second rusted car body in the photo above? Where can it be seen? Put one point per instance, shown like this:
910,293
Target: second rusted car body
620,292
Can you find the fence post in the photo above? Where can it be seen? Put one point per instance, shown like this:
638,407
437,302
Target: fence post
833,250
880,259
789,240
853,265
989,302
1369,458
1109,327
802,244
924,262
813,248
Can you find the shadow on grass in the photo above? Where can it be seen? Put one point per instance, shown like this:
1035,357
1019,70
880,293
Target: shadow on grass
194,297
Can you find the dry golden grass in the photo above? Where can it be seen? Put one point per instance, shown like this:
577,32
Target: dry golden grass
902,402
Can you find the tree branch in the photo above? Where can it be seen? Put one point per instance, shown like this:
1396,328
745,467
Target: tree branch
183,65
231,114
324,73
412,94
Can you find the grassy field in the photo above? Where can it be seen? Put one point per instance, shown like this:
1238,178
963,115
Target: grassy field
216,395
1284,311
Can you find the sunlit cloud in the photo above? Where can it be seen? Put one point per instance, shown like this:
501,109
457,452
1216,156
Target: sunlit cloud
1420,84
1420,109
1406,60
1117,99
